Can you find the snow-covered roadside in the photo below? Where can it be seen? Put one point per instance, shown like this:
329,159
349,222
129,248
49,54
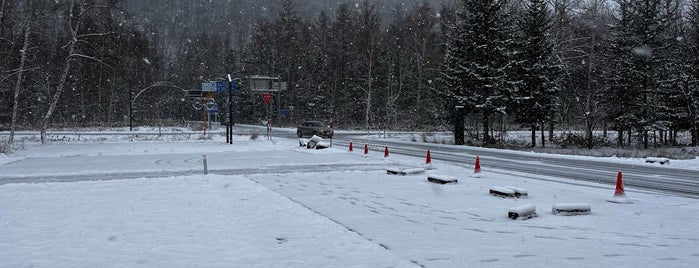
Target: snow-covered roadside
317,208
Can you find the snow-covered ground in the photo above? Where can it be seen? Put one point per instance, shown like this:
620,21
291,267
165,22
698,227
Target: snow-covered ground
274,204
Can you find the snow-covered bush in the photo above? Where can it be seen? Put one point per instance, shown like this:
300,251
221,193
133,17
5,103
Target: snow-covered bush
4,146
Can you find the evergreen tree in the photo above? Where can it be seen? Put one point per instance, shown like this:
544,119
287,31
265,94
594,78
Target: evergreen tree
639,56
690,85
477,60
534,97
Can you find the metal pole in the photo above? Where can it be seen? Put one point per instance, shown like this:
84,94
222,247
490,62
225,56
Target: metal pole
204,108
206,170
229,127
332,133
130,110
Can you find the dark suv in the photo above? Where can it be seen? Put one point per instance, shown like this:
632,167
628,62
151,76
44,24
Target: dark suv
310,128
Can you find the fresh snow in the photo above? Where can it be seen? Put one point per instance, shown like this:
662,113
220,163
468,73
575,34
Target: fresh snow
121,203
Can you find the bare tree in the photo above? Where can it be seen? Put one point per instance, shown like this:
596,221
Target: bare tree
368,48
2,14
75,18
20,71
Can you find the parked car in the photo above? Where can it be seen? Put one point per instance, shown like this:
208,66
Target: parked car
310,128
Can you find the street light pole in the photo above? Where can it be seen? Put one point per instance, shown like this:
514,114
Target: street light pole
132,99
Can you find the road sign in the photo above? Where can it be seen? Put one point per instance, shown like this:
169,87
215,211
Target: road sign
220,86
209,87
266,97
233,86
194,93
212,109
197,104
210,104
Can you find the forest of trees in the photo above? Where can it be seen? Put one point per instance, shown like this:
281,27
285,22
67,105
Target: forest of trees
631,66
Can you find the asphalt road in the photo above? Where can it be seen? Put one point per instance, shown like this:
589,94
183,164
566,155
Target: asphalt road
641,176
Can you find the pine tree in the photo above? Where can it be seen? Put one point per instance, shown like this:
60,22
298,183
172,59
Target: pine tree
477,60
538,70
641,52
690,85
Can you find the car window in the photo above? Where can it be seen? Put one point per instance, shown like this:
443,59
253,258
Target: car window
317,124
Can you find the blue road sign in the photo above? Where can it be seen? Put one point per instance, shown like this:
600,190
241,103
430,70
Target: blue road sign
220,86
209,87
233,87
213,110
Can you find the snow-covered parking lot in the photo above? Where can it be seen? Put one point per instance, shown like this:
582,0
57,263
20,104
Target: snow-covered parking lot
274,204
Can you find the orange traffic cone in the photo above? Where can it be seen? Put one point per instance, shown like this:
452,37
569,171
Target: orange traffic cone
366,149
478,165
619,192
350,147
428,160
385,152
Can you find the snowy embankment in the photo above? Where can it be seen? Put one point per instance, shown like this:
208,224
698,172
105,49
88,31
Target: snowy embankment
275,204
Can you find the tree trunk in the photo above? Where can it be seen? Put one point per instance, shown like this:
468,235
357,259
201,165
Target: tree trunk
2,15
543,137
64,76
551,125
20,72
604,128
533,129
629,134
645,139
486,128
368,110
695,134
588,132
620,137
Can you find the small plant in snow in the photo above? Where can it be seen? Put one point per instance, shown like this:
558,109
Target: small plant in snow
254,136
5,147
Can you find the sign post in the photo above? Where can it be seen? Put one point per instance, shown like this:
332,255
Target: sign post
208,88
229,127
267,99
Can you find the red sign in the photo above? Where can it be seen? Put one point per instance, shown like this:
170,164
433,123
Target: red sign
266,97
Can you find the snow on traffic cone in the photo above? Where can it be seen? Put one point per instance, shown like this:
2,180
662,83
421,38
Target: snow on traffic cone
350,146
366,148
619,194
428,160
619,186
385,151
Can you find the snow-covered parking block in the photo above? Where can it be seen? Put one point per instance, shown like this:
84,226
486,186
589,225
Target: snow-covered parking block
570,209
502,192
405,171
519,192
522,212
441,179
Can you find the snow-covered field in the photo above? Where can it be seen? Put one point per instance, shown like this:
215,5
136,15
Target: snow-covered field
272,204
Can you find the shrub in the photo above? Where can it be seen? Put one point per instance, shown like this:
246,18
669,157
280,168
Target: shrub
4,147
254,136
